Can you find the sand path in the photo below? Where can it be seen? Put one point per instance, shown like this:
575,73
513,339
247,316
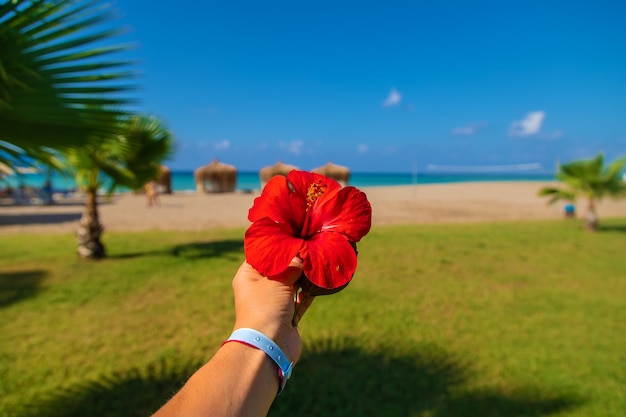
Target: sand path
433,203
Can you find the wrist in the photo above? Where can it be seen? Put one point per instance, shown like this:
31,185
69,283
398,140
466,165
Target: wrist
285,336
271,330
262,342
246,370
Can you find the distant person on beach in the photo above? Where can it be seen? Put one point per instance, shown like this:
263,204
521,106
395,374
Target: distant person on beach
47,193
22,196
152,195
244,375
7,192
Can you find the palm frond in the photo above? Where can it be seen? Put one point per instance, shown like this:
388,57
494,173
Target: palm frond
150,143
129,158
53,66
614,170
557,194
588,178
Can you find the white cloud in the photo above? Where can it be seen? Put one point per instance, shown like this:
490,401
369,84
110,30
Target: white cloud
464,130
294,147
362,148
393,99
470,129
530,125
224,144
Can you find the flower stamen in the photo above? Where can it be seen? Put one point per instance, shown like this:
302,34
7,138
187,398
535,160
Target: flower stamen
315,191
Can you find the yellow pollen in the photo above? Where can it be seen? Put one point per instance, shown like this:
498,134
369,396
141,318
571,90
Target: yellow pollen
314,192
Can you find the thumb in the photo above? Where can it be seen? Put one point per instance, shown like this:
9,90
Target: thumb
290,275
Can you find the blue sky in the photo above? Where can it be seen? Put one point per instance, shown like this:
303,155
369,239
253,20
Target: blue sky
383,86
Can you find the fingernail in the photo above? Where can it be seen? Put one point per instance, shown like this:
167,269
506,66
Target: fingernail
296,262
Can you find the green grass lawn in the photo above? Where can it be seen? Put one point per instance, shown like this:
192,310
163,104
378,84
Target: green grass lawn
519,319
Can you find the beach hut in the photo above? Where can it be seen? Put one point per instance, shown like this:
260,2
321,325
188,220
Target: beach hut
277,169
164,180
339,173
222,177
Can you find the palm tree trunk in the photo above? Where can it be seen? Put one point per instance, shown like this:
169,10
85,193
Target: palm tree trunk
90,229
591,219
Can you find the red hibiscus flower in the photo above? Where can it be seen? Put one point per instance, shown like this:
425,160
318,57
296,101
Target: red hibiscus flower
310,216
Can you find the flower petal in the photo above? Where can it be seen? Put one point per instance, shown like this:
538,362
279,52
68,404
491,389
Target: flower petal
280,203
329,261
347,212
302,181
270,247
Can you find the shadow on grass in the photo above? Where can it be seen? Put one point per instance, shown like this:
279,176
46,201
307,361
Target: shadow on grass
138,392
333,379
340,379
612,228
38,218
208,249
16,286
194,250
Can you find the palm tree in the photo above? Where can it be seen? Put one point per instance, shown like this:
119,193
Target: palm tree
590,179
149,143
58,84
128,159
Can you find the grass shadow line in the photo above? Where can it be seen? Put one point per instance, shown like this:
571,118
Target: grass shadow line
137,392
134,255
334,378
38,218
193,250
19,285
612,228
213,249
338,378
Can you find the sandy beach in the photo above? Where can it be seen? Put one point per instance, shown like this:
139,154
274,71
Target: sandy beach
420,204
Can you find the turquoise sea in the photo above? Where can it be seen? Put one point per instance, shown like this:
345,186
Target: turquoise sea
182,181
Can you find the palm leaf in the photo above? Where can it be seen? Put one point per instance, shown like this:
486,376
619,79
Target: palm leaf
557,194
150,143
589,178
51,70
129,158
614,170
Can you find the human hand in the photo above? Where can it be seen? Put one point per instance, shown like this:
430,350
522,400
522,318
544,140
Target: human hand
267,304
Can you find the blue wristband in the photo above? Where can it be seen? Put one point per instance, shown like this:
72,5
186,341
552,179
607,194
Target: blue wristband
258,340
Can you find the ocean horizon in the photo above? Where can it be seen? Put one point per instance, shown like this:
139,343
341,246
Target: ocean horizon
183,181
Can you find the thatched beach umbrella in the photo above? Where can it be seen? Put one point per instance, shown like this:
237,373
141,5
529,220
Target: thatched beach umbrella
339,173
165,179
222,177
278,169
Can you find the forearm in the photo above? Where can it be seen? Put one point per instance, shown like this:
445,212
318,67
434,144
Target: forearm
241,380
238,381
